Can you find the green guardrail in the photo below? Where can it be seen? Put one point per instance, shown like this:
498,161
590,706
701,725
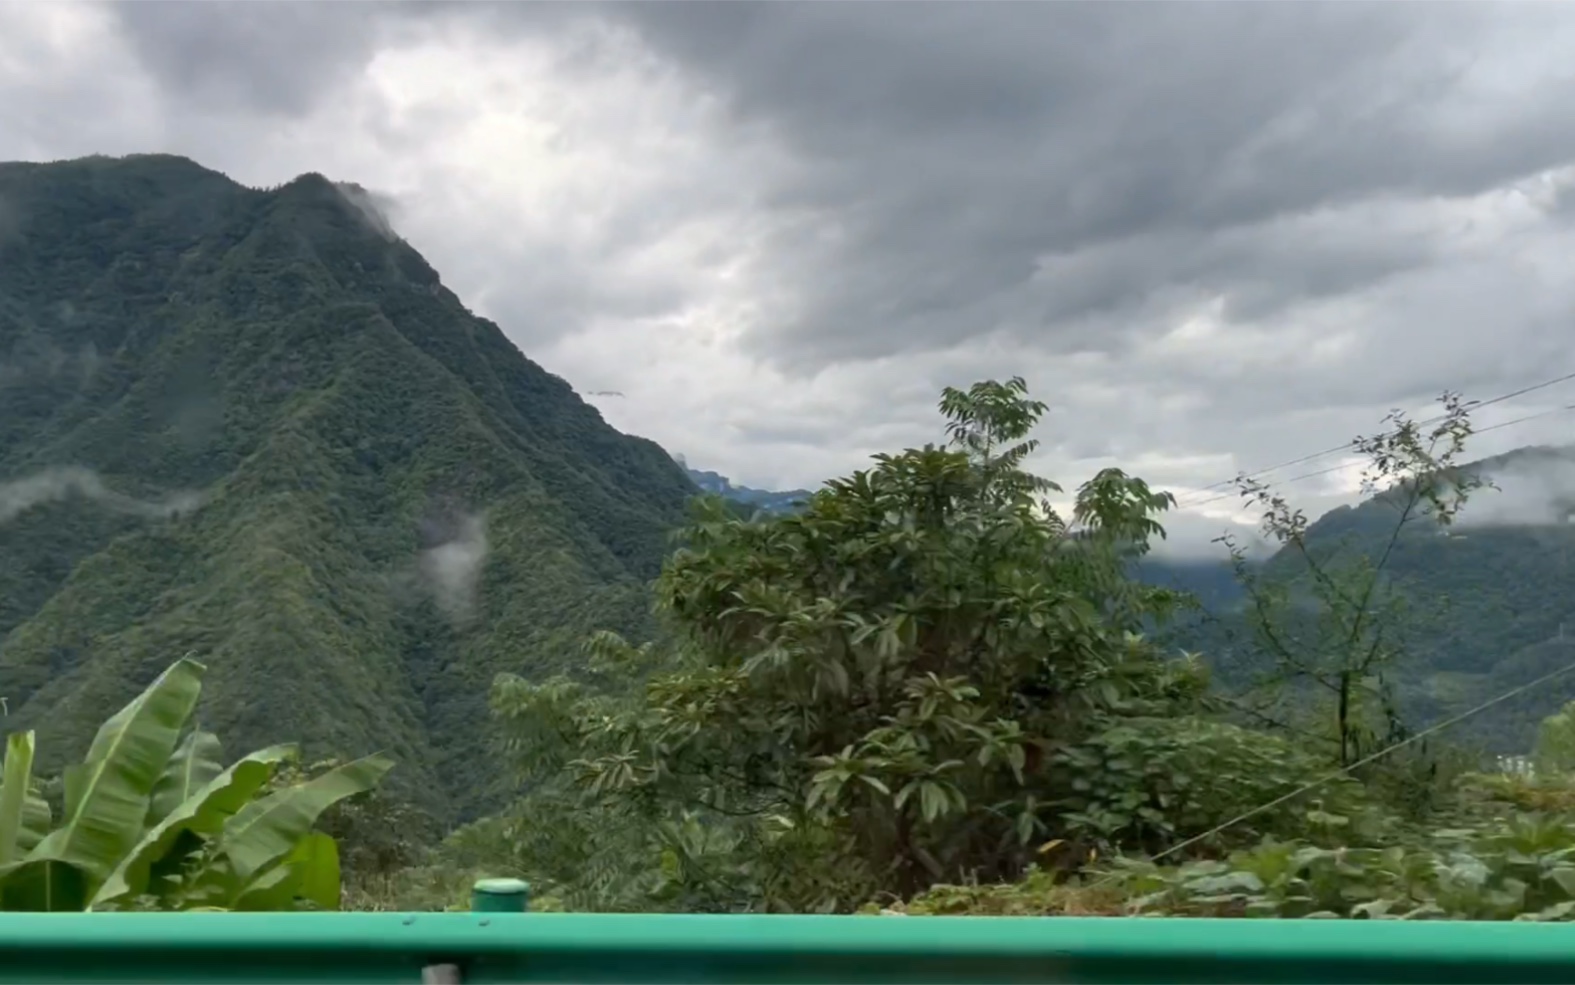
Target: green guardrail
491,944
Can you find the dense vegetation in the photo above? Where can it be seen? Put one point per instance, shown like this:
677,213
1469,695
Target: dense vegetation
1489,601
1474,609
254,426
929,692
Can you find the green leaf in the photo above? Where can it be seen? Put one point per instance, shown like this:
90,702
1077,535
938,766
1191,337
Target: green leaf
195,763
877,784
903,794
273,890
205,812
310,873
43,885
1558,911
268,829
36,822
316,860
107,795
15,786
1565,876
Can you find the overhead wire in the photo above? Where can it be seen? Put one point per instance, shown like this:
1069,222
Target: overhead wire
1351,465
1472,405
1346,770
1431,730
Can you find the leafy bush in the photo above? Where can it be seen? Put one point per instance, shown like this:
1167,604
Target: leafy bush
1555,749
1147,784
1537,793
929,682
1039,893
151,819
1518,868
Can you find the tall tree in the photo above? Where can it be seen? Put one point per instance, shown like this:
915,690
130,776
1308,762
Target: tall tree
870,695
1330,620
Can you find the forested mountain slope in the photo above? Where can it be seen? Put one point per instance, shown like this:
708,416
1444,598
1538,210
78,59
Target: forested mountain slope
254,425
1488,604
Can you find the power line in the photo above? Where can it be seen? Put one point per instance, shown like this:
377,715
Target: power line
1345,770
1419,736
1351,465
1473,405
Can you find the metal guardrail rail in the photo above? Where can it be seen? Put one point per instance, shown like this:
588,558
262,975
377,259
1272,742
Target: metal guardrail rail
490,946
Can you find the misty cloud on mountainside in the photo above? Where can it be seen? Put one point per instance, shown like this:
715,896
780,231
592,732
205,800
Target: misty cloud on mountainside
451,570
1529,490
376,209
47,360
58,484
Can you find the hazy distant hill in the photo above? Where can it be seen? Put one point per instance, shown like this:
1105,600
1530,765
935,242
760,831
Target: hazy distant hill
255,426
1491,604
760,499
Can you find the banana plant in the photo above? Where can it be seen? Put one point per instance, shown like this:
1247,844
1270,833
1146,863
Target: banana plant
151,815
24,816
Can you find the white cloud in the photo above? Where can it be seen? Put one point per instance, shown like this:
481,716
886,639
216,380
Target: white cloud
451,571
19,496
68,85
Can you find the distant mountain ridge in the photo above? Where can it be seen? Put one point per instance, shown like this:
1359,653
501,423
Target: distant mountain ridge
255,426
762,499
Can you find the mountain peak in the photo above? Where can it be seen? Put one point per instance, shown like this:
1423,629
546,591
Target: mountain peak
395,503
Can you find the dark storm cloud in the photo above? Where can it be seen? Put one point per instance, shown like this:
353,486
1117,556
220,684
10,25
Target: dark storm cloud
1137,146
914,195
1053,170
283,56
274,58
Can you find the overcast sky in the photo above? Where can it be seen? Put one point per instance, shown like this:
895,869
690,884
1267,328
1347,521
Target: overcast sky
1212,237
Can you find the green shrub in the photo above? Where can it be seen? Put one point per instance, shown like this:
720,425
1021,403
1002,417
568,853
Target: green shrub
1147,784
1518,868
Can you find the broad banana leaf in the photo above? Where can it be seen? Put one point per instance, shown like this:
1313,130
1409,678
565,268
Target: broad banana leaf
172,872
266,830
273,890
316,859
204,812
42,886
196,761
310,872
107,795
16,786
36,822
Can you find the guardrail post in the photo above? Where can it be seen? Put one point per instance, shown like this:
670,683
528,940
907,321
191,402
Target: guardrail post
500,896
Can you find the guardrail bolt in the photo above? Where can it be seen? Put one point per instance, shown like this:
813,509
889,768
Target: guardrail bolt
500,896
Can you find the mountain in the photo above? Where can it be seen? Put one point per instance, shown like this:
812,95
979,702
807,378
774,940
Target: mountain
1490,603
1212,582
761,499
254,426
